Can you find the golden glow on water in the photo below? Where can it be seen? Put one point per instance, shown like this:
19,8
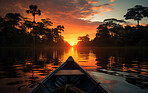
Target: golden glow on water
27,67
71,52
124,68
87,59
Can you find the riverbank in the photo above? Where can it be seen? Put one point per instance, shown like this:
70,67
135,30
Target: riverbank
46,47
127,47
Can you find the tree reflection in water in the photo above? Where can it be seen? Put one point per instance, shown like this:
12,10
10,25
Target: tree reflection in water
21,69
25,67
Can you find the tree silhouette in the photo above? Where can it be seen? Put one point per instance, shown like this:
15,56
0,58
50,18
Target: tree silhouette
13,18
114,26
102,31
46,22
1,23
112,22
56,34
137,13
48,38
84,38
33,9
60,28
109,32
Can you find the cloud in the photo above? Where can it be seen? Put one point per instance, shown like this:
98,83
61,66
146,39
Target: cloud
73,14
104,7
93,1
112,0
78,9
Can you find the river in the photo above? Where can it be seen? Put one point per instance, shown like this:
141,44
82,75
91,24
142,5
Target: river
22,68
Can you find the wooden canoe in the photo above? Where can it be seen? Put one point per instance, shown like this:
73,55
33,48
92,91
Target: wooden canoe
68,75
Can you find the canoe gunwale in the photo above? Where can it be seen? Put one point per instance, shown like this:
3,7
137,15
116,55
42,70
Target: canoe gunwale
61,66
48,76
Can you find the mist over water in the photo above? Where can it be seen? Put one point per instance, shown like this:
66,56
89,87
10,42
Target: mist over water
22,68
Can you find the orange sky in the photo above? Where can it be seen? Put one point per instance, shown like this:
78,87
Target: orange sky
79,17
73,27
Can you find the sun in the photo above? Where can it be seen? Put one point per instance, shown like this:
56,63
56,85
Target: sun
72,44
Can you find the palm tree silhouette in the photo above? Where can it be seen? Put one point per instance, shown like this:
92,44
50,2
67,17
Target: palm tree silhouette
137,13
33,9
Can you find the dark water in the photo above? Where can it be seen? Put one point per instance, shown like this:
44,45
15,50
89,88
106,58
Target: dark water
22,68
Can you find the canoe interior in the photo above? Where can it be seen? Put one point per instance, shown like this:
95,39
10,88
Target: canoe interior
82,80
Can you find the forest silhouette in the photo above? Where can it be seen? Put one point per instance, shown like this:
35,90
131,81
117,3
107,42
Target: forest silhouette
114,32
19,31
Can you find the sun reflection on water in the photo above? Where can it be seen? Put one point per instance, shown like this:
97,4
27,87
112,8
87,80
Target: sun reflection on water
22,67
